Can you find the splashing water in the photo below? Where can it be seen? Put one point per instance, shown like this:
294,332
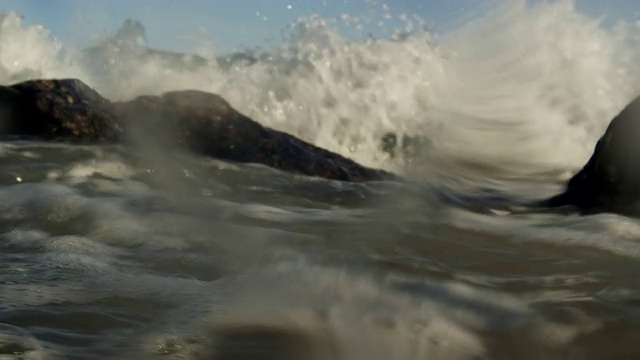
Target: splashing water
103,256
510,90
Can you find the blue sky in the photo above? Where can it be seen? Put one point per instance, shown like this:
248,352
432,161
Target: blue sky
181,25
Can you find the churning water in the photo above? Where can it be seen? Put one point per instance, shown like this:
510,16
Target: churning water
112,252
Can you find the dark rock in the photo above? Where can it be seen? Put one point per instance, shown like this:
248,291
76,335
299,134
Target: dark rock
206,124
68,110
610,181
57,109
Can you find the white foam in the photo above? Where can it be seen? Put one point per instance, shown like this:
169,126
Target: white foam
358,317
28,52
615,234
111,169
531,88
525,89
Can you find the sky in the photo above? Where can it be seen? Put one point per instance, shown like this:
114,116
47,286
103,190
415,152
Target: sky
233,25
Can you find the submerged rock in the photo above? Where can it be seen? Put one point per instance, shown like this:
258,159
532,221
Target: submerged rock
69,110
610,181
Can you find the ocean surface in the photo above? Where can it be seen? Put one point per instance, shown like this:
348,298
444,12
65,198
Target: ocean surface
110,252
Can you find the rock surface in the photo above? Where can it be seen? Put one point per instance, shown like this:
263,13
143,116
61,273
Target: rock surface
69,110
65,110
610,181
206,124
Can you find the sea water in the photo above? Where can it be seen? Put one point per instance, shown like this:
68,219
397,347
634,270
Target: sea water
135,253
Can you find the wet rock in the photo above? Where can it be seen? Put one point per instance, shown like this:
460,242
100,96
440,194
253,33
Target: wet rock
57,109
610,181
206,124
68,110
